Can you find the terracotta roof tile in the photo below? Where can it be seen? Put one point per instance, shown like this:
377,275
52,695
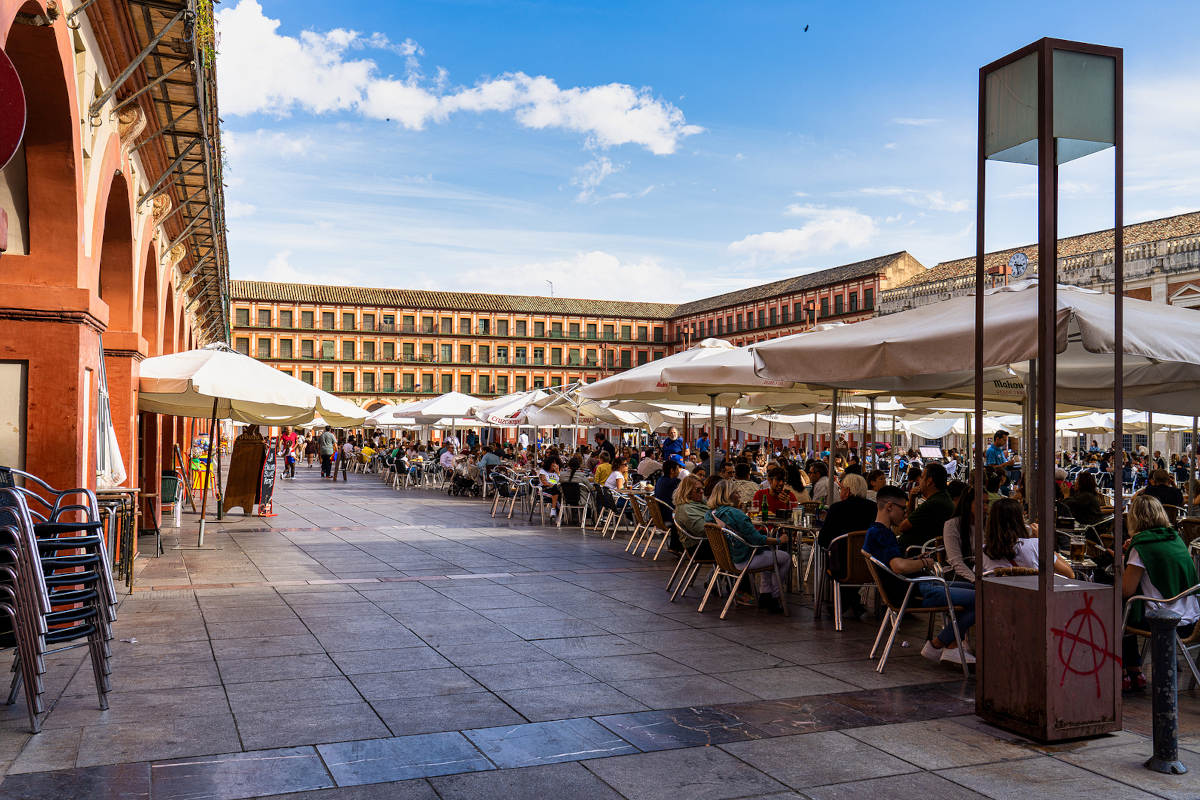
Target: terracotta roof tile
1138,233
800,283
418,299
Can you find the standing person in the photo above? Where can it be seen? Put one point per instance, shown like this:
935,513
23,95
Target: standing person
523,441
997,456
326,447
287,442
602,443
310,448
702,445
673,445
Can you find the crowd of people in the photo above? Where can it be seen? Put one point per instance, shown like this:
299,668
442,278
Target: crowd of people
918,513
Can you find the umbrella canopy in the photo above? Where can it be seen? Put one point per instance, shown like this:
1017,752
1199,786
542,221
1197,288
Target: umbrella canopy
930,350
509,410
244,389
447,407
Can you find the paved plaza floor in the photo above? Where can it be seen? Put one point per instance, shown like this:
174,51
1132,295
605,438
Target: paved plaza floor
368,643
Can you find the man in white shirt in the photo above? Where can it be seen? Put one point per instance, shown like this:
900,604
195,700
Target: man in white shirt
452,441
523,440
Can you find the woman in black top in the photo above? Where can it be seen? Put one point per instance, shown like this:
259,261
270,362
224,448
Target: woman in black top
1084,502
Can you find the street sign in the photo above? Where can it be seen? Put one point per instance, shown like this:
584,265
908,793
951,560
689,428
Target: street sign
12,109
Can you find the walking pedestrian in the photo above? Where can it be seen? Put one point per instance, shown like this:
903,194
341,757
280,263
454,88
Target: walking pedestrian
288,440
326,447
310,448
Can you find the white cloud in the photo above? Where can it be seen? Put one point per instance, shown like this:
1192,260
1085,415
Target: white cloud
265,143
589,177
312,73
595,274
279,268
890,146
931,200
824,230
916,122
236,209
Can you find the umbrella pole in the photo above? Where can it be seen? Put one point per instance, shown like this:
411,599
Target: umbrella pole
832,449
874,451
712,428
217,493
1191,466
207,475
728,435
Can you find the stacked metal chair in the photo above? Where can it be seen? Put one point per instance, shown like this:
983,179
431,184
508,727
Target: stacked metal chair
56,584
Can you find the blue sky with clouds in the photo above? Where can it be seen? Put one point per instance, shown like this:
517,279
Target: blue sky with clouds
655,151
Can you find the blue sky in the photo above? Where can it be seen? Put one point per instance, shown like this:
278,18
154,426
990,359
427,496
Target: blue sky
655,151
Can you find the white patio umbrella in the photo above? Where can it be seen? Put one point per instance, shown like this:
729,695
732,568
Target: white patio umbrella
218,382
929,351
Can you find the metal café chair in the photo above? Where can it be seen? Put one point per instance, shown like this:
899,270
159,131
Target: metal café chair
1189,647
897,608
576,497
725,568
856,572
698,555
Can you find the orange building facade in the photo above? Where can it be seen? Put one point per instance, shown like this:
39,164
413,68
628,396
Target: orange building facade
387,345
100,261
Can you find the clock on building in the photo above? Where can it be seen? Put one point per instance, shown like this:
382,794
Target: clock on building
1017,264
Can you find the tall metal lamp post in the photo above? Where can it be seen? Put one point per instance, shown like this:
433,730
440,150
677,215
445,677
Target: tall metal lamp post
1048,649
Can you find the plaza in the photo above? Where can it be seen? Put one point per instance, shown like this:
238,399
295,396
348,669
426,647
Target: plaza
368,643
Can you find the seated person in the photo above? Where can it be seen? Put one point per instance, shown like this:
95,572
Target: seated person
958,536
876,480
691,508
881,543
744,488
648,466
818,482
664,490
548,478
1158,566
1006,541
1084,502
854,512
722,510
778,495
1160,489
603,468
927,520
993,481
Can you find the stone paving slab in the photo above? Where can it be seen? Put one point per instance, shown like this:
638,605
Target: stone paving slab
297,661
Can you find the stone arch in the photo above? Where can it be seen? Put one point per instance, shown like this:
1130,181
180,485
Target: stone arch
46,224
151,305
376,405
168,319
117,274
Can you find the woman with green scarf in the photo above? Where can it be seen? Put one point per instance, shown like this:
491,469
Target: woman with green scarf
1158,566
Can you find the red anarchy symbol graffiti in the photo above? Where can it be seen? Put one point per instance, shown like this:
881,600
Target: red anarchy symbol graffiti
1083,644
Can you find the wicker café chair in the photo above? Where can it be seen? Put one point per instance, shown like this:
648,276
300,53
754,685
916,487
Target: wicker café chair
725,567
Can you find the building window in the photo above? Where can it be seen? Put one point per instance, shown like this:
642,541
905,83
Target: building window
368,382
627,332
642,357
868,299
464,384
306,348
242,345
501,355
485,384
626,359
327,320
264,318
590,356
539,356
285,319
241,317
824,307
519,383
347,351
447,325
484,328
427,383
285,348
556,330
762,317
406,350
408,324
501,384
643,332
720,326
406,382
521,327
306,375
446,354
539,329
306,320
502,327
556,356
609,332
838,307
347,381
389,381
464,353
426,324
519,357
774,320
591,330
854,301
389,351
327,381
783,314
539,382
389,322
447,383
573,330
658,333
658,354
347,322
368,351
556,380
483,353
573,357
427,353
327,350
739,323
368,322
464,326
